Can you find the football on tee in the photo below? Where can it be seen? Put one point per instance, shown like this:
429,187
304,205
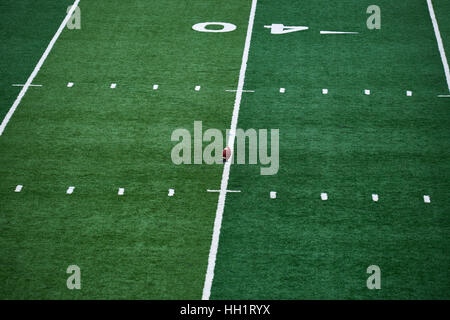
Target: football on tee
226,153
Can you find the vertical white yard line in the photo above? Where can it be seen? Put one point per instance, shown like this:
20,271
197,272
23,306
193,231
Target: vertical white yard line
226,169
37,68
440,44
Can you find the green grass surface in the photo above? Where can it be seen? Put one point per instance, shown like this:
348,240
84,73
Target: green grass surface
350,146
145,245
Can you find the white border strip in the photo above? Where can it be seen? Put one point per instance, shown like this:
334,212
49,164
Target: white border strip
440,44
226,169
37,68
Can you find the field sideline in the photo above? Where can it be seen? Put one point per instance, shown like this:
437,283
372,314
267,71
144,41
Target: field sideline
361,113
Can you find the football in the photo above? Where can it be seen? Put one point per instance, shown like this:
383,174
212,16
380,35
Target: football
226,153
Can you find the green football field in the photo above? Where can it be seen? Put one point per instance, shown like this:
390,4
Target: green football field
87,177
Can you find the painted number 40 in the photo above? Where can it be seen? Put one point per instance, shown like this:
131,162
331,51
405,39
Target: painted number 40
275,28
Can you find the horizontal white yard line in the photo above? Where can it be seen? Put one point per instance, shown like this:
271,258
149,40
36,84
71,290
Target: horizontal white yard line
37,68
444,96
240,91
225,191
337,32
31,85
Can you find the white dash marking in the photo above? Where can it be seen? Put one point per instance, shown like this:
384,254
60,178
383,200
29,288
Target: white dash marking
241,90
273,195
324,91
70,84
375,197
337,32
197,88
444,96
367,92
70,190
440,43
226,168
426,199
121,191
113,85
18,188
409,93
324,196
155,87
171,192
31,85
37,68
282,90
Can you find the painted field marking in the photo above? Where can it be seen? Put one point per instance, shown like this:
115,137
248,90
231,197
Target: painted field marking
367,92
439,42
226,169
197,88
18,188
70,190
225,191
444,96
121,191
375,197
31,85
324,196
113,85
171,192
37,68
337,32
324,91
277,28
409,93
273,195
282,90
241,90
70,84
426,199
155,87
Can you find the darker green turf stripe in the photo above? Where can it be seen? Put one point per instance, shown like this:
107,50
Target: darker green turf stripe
27,28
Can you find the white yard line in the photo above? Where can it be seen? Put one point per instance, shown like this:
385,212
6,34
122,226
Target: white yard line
337,32
226,169
242,90
31,85
439,41
37,68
